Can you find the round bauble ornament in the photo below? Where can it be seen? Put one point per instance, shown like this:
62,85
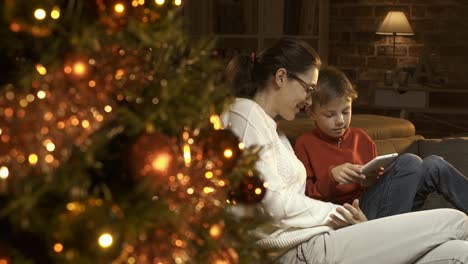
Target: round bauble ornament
250,190
154,155
220,147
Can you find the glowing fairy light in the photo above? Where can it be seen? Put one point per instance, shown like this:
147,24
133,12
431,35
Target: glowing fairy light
10,95
179,243
32,158
4,172
258,191
55,13
48,116
119,74
159,2
67,69
41,94
30,98
208,190
228,153
8,112
187,154
39,14
58,247
177,2
50,146
209,174
79,68
185,135
41,69
119,8
74,121
105,240
216,121
108,108
161,162
49,158
215,231
60,125
15,27
23,103
85,124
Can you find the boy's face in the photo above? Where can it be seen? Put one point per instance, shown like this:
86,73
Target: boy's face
333,118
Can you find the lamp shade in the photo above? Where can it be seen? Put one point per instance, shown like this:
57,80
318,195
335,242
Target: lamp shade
395,23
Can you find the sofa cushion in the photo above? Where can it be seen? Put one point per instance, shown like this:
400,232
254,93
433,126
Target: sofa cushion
377,126
399,145
384,127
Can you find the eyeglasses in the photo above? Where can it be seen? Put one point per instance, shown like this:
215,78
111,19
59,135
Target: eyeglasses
309,88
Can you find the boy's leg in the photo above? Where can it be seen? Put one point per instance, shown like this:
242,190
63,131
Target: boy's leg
454,251
394,193
440,176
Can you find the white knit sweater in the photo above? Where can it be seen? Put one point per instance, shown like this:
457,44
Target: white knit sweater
295,218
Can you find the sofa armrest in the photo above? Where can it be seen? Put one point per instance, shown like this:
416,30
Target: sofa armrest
453,150
399,145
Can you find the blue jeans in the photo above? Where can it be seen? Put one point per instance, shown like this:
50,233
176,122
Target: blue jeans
407,182
441,177
395,191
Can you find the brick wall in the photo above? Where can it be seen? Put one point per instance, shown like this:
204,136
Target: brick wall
441,31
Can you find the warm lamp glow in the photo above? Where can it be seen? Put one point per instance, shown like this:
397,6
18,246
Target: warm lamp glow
395,23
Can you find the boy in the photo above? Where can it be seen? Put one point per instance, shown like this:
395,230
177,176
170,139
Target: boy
333,154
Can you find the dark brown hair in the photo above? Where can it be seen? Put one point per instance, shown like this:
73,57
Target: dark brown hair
247,74
332,83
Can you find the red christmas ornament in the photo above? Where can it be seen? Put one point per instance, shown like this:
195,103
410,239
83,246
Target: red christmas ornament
250,191
222,148
154,155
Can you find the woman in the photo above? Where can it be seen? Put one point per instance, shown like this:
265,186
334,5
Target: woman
279,82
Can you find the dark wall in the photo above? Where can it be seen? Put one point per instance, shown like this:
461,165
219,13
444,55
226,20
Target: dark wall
441,35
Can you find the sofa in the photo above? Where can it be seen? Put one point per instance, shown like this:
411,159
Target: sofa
396,135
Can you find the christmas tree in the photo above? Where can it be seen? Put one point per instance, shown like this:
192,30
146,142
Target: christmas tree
111,146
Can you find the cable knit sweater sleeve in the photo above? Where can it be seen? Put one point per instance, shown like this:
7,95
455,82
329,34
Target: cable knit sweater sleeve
284,175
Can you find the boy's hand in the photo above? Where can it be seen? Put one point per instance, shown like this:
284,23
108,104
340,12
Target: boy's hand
351,216
373,178
348,173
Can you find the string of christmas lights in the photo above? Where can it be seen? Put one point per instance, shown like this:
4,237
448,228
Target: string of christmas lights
112,150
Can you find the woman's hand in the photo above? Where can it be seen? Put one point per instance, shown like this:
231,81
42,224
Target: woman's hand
352,215
347,173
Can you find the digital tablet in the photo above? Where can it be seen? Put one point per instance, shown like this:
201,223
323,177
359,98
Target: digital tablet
380,161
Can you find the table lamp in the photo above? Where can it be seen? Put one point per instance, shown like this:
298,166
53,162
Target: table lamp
395,23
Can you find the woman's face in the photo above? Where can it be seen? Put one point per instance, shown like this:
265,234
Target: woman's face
293,94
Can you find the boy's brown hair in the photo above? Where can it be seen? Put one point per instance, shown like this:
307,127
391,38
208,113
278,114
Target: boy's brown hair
332,83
